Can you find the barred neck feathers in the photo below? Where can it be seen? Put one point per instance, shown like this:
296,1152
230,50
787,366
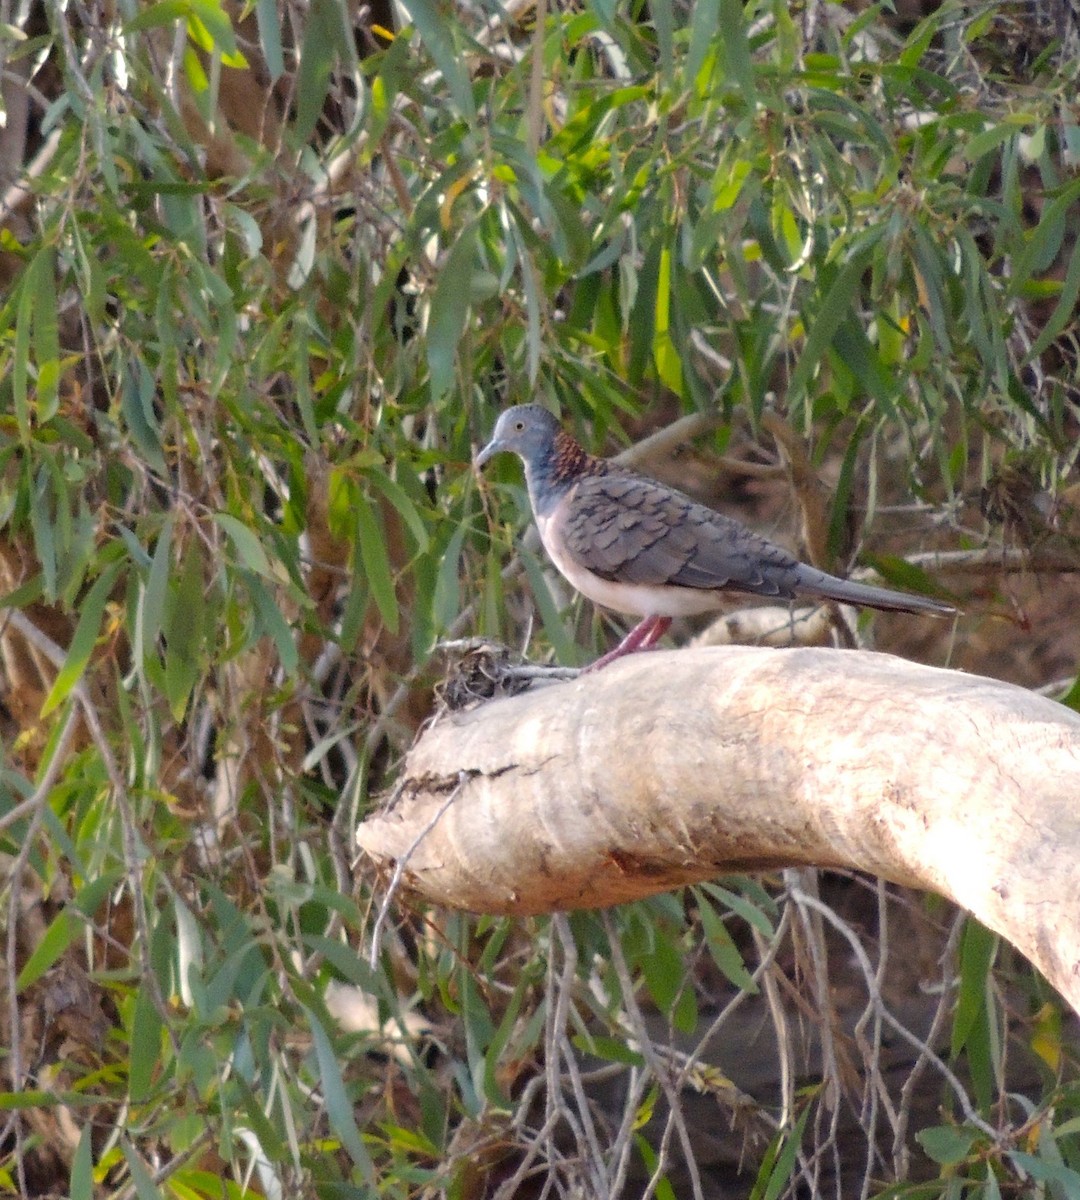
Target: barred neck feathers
552,476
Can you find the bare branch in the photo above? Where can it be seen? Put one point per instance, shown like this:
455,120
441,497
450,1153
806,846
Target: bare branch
673,767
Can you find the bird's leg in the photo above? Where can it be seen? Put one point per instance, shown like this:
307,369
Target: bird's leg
658,626
643,636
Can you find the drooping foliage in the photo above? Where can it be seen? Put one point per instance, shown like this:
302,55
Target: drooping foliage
268,276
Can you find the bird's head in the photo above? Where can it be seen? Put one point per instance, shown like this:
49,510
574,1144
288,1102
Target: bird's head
527,430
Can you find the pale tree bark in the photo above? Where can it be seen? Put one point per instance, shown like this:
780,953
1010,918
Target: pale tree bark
673,767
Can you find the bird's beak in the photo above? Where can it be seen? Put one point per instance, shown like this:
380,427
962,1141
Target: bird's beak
489,451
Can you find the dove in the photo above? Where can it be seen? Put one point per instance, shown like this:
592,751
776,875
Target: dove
632,544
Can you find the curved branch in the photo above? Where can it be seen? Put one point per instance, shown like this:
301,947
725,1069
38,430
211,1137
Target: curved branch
995,558
672,767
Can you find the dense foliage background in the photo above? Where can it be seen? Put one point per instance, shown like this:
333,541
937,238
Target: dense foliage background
268,275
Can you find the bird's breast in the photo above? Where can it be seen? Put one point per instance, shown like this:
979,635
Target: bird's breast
638,599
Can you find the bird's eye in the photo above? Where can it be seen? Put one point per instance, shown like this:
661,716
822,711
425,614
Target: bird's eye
519,426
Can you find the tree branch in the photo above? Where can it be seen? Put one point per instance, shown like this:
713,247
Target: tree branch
668,768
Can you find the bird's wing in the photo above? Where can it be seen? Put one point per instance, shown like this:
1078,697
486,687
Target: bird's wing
629,529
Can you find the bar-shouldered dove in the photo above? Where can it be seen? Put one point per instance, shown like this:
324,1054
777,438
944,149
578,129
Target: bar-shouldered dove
637,546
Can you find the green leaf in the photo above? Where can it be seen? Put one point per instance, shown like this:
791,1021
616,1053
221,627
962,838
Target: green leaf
266,17
989,140
91,895
145,1049
933,272
477,1022
42,504
25,341
663,1189
404,505
664,24
272,622
750,912
723,950
25,594
903,574
376,563
353,613
975,1022
318,54
495,1055
736,49
446,605
450,311
1065,309
643,313
46,334
345,961
665,353
410,1140
835,307
981,322
82,644
947,1144
664,972
62,931
145,1188
533,309
566,652
269,1142
977,949
684,1015
167,12
1065,1177
13,1101
432,25
775,1173
840,509
218,36
611,1049
1071,699
860,357
185,628
152,605
1046,238
82,1166
247,545
338,1107
991,1188
137,395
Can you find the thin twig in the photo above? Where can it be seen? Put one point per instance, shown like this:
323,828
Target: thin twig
842,927
784,1051
661,1074
535,101
565,1050
560,989
132,858
875,1091
403,862
20,193
941,1013
39,794
37,802
996,558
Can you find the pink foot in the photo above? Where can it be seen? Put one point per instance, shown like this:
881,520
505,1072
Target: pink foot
643,636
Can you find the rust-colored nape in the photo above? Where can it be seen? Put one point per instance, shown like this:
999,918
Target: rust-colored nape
570,460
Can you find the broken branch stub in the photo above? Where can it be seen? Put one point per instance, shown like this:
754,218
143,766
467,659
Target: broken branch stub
673,767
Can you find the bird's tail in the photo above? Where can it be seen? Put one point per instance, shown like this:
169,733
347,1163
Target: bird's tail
847,591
